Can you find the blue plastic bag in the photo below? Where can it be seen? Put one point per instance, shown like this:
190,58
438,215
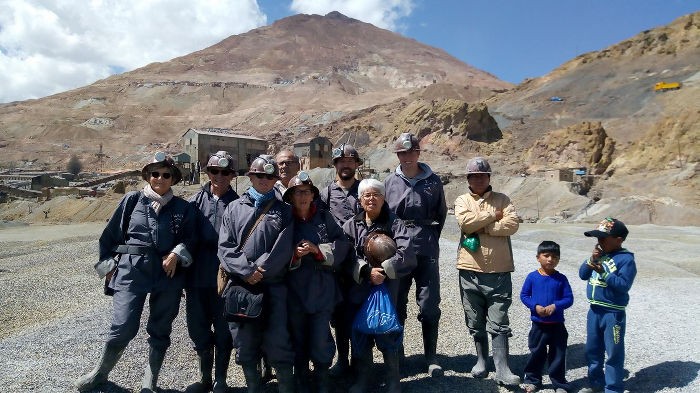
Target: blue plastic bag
377,314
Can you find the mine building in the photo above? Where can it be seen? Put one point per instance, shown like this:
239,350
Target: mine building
314,152
200,143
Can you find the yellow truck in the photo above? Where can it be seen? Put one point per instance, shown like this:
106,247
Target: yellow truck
663,86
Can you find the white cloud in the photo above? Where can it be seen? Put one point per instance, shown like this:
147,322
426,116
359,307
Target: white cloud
381,13
52,46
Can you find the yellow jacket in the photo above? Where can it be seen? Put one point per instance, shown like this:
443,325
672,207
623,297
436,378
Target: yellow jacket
478,214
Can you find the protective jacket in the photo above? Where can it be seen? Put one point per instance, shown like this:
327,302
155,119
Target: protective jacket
342,204
476,214
147,239
311,279
209,212
420,203
270,245
610,289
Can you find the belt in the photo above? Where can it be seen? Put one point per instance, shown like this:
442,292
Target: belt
134,250
414,223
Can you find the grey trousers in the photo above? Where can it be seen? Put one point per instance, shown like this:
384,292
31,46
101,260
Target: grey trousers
486,298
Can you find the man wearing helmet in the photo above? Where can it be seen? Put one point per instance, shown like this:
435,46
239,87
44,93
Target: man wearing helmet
341,199
256,245
204,306
417,197
485,269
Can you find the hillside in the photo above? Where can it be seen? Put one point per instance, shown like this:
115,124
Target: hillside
351,81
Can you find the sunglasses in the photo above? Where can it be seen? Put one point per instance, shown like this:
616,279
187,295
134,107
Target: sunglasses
224,172
264,176
157,175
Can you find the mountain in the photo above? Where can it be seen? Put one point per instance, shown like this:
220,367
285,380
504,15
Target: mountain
331,75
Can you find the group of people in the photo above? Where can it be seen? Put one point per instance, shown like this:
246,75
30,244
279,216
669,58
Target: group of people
305,250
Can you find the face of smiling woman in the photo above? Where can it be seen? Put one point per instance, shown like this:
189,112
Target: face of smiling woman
372,201
159,183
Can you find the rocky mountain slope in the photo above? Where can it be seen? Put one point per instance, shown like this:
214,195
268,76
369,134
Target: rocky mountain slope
348,80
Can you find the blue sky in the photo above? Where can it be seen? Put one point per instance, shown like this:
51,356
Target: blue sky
50,46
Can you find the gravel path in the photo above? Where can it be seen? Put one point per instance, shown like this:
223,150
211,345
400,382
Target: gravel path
53,316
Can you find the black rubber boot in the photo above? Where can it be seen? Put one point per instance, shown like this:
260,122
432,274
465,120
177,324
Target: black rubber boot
253,379
110,357
266,371
482,355
342,365
430,337
222,359
150,375
321,378
500,359
393,377
364,368
302,379
285,378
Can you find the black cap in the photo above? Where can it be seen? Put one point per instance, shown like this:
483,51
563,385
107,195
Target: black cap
609,227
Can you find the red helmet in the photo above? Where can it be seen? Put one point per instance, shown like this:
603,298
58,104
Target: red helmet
264,164
378,248
406,142
162,160
346,150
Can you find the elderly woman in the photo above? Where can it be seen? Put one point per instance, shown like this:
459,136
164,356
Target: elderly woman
376,217
256,246
206,324
141,251
320,247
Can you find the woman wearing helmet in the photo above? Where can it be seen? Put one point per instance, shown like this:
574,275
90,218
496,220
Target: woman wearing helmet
141,251
320,248
376,217
256,245
206,324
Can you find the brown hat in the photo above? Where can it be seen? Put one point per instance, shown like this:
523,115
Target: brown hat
346,150
300,179
162,160
221,159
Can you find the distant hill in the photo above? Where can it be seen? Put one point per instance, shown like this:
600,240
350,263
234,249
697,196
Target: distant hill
338,77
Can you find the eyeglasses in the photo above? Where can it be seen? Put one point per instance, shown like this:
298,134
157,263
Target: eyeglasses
157,175
214,171
303,192
264,176
372,195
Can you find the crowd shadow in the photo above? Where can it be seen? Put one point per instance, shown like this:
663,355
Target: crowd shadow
666,375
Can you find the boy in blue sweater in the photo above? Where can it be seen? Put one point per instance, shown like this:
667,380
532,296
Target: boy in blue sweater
546,292
610,272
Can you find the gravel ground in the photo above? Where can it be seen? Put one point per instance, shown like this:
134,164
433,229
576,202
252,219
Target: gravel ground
53,316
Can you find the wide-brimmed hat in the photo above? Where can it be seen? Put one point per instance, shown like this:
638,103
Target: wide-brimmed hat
162,160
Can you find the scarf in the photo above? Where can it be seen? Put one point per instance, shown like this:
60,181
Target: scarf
157,201
259,198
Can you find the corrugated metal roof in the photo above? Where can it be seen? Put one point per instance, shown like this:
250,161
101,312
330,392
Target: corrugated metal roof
227,132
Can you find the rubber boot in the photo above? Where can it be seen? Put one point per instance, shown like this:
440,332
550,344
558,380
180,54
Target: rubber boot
301,377
253,378
430,337
482,354
150,375
500,359
393,377
321,378
222,359
364,368
206,364
285,378
110,357
266,370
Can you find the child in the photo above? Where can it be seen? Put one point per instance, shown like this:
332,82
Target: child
546,292
610,272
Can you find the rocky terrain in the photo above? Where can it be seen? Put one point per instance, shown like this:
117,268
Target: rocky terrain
348,80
